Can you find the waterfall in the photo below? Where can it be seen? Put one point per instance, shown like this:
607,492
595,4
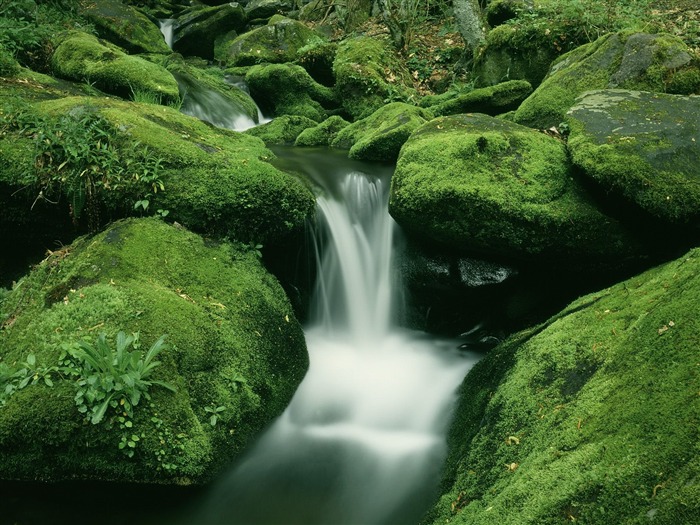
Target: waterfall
167,26
362,441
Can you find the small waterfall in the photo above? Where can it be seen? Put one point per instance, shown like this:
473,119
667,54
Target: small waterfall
362,442
167,26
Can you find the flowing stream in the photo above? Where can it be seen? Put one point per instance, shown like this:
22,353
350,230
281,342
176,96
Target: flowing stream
362,441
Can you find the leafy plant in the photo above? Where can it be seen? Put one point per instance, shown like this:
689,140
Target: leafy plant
214,411
30,372
115,377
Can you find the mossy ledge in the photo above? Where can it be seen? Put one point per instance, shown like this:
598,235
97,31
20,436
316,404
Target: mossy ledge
591,417
234,343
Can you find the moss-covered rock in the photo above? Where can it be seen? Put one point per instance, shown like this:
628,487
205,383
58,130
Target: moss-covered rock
82,57
591,416
233,343
215,181
317,58
368,75
482,184
124,25
491,100
287,89
322,134
282,130
276,42
197,30
381,135
265,9
643,146
639,61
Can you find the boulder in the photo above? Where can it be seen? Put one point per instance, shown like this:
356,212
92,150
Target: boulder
484,185
638,61
642,146
492,100
287,89
265,9
368,75
124,25
233,350
591,416
282,130
322,134
276,42
82,57
197,30
381,135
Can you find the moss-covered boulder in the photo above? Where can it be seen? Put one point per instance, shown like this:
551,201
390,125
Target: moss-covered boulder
639,61
213,180
317,58
265,9
124,25
368,75
481,184
197,29
282,130
322,134
381,135
82,57
491,100
276,42
287,89
592,416
234,350
642,146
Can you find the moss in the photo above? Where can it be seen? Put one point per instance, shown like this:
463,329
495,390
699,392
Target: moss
287,89
368,75
233,339
83,57
642,146
282,130
124,26
273,43
492,100
317,58
590,417
199,28
381,135
322,134
621,60
216,181
481,184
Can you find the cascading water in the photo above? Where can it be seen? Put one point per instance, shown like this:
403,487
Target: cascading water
362,442
167,26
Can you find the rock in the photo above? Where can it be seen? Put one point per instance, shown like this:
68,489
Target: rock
197,30
368,75
492,100
234,350
276,42
124,25
484,185
82,57
637,61
287,89
643,146
381,135
263,9
317,58
282,130
590,415
323,134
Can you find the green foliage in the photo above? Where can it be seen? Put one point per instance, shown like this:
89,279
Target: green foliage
115,377
214,411
30,372
82,156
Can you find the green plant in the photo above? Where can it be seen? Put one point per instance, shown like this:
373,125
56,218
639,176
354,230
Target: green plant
115,377
214,411
27,373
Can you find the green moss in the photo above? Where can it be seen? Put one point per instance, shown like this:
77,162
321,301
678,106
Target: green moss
276,42
287,89
642,146
234,343
83,57
368,75
492,100
323,134
590,417
282,130
381,135
477,183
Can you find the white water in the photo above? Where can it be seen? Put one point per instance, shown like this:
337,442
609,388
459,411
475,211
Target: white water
362,441
167,26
